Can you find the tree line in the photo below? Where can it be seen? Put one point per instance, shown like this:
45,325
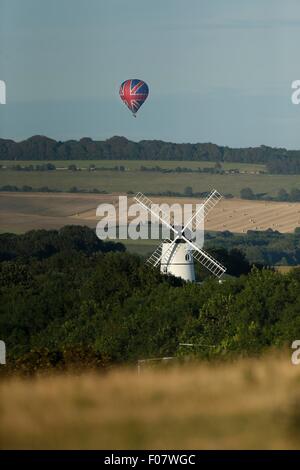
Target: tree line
282,195
277,160
217,169
267,248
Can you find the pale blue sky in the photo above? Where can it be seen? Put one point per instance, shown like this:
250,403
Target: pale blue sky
218,70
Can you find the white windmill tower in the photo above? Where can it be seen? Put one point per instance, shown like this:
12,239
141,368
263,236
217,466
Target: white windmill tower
177,256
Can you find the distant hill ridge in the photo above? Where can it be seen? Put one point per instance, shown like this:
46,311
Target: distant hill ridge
119,148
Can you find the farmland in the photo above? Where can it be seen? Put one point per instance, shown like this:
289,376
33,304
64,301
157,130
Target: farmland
248,404
136,164
133,179
26,211
148,181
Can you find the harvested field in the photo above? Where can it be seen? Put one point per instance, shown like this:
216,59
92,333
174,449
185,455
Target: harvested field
20,212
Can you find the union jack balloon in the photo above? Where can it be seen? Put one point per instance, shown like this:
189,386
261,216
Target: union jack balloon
134,93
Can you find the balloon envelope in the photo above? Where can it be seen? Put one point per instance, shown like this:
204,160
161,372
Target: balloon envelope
134,93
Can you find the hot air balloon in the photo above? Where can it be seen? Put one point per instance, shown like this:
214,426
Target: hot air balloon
134,93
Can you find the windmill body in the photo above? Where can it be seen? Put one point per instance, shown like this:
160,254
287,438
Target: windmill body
178,261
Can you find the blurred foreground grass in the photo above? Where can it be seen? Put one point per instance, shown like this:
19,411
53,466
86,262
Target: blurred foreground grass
250,404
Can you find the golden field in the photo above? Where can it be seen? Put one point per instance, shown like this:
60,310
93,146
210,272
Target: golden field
248,404
20,212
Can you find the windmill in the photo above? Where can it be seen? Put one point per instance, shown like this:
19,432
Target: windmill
177,256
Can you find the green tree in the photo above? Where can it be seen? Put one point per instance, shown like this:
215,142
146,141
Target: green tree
247,193
295,195
188,191
282,195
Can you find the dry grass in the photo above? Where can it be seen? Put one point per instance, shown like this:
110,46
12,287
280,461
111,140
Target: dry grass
20,212
253,404
239,215
285,269
26,211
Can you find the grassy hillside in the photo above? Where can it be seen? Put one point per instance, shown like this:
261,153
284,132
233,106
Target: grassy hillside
249,404
151,182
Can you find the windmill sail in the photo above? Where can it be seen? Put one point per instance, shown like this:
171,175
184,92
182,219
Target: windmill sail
213,198
147,204
207,260
156,256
